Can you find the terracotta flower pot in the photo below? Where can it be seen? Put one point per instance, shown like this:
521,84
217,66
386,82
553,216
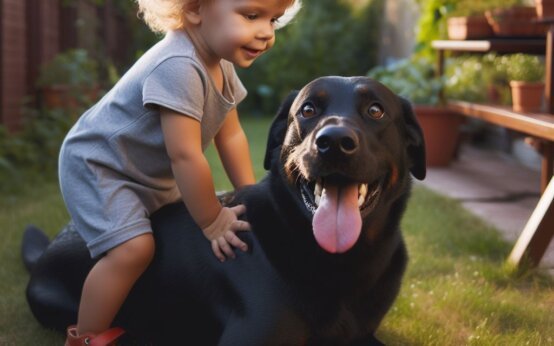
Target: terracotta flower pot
441,131
544,8
467,28
527,97
515,21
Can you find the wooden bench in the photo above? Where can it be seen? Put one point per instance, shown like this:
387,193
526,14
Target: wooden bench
539,230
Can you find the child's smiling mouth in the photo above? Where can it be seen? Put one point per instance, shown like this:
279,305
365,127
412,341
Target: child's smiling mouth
252,53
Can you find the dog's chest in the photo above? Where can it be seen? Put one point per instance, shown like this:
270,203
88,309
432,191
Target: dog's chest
344,325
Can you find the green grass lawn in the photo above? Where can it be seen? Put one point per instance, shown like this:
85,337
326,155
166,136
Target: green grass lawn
456,290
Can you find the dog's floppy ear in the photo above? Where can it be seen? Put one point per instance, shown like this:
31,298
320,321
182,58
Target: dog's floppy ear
278,129
416,141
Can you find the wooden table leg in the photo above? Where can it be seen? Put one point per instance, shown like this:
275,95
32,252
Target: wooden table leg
547,167
537,234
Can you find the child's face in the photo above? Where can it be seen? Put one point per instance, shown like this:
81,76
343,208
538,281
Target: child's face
239,30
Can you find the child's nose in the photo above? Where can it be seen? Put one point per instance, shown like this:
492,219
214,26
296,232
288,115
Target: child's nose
266,31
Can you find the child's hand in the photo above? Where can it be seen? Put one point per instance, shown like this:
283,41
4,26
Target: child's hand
222,235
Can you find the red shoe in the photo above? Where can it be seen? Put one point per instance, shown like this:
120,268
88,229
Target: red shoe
106,338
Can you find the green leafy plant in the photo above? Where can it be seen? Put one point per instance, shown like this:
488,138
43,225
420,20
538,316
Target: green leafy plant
414,79
431,24
465,79
434,13
523,67
477,79
31,154
73,67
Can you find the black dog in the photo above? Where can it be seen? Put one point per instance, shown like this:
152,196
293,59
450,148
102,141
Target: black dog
326,254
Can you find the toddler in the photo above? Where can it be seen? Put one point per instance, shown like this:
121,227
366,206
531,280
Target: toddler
141,146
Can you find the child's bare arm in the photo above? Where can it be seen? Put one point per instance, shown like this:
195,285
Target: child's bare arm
233,149
191,169
192,172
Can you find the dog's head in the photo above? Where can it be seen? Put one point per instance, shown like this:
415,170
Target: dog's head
346,146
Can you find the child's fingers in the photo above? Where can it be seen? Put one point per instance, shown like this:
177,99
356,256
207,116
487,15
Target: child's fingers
239,225
225,247
217,251
238,209
235,241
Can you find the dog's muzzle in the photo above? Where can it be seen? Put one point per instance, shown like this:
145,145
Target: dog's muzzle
334,141
331,187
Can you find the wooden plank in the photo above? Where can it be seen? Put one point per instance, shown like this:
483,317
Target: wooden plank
537,124
538,232
549,72
531,46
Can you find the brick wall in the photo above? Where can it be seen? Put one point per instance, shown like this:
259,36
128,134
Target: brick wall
32,32
12,61
43,36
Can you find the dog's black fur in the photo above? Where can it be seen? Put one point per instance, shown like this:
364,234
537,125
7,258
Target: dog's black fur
286,290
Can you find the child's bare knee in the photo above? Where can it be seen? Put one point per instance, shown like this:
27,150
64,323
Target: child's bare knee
135,253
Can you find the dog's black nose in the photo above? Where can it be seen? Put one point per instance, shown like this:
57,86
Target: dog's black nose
333,139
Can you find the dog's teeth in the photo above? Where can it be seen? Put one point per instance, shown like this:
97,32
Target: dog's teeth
318,189
362,191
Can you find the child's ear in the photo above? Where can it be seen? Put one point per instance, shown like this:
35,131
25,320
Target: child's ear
192,12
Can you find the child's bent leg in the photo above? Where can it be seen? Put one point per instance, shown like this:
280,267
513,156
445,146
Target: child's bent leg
110,280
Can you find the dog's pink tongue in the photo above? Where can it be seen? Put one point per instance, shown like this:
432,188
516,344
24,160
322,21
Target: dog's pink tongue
337,222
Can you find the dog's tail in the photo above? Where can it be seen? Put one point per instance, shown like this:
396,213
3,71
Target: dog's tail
34,243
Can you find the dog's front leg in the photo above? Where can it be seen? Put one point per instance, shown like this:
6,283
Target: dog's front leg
268,327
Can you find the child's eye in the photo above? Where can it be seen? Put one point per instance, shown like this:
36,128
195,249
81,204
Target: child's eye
275,20
251,16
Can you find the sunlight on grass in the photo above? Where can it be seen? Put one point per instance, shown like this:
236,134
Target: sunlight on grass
456,290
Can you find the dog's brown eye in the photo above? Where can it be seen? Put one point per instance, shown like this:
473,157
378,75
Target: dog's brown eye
308,110
376,111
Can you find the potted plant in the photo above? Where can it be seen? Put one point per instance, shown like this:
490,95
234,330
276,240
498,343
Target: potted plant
69,80
415,80
467,21
468,27
526,75
512,18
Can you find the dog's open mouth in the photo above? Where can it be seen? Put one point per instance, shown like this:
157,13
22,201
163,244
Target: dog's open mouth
368,195
338,209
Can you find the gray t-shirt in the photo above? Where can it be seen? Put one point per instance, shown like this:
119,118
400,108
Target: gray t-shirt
118,144
123,131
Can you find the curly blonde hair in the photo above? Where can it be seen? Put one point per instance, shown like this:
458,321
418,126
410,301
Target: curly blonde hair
165,15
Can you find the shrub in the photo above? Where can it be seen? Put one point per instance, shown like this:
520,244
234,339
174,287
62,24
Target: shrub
413,79
32,154
73,67
524,67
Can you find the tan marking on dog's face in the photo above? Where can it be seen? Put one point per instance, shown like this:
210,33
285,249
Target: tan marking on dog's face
322,94
394,176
